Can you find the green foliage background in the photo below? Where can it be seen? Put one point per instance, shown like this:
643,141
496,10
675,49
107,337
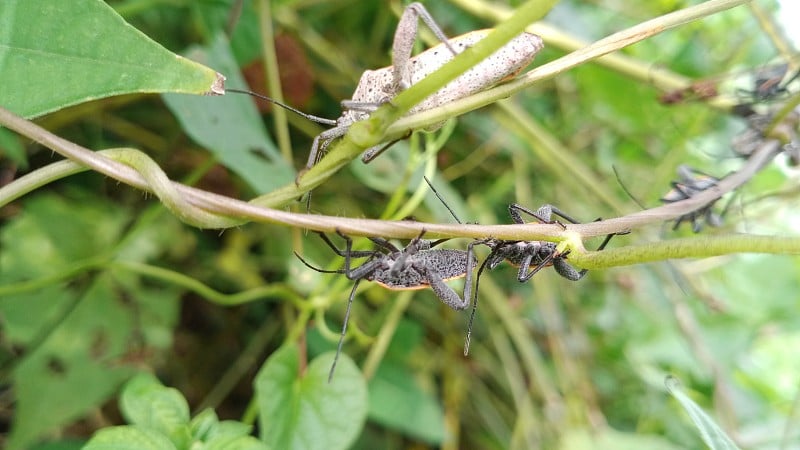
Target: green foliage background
98,282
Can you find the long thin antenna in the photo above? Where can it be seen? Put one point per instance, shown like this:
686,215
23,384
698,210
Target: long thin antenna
310,117
441,199
625,188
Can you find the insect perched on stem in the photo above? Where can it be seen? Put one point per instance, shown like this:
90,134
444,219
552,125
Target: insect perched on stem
690,183
699,90
417,266
529,256
769,83
379,86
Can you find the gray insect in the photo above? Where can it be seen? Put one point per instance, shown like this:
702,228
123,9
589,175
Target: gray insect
529,256
690,183
379,86
417,266
769,84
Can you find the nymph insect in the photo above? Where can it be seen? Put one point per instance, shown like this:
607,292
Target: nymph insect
769,83
699,90
417,266
690,183
529,256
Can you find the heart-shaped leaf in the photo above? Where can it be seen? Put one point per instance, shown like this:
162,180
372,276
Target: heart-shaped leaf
56,54
304,411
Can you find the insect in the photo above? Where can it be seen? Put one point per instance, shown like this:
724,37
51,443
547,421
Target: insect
769,84
377,87
699,90
529,256
690,183
417,266
751,138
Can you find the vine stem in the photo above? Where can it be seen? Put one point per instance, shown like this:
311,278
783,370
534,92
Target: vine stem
206,209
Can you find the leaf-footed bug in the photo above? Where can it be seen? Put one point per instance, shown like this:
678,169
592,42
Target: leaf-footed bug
529,256
377,87
417,266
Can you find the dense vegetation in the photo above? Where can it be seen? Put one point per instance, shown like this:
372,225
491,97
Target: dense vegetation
101,285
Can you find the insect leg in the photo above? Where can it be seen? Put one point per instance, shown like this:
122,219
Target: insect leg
404,39
373,152
542,215
384,244
445,293
564,269
523,275
344,330
468,338
321,142
347,252
315,268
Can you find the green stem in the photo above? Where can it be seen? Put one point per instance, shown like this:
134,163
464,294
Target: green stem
197,205
49,280
696,247
378,349
271,291
273,80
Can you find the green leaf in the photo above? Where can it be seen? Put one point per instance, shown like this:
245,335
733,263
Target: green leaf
712,434
206,427
42,241
77,336
204,424
74,369
230,126
128,438
770,366
147,403
610,439
235,443
56,54
11,148
305,411
395,400
231,428
61,444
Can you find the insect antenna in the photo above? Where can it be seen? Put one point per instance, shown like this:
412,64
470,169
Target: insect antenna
317,269
310,117
625,188
441,199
